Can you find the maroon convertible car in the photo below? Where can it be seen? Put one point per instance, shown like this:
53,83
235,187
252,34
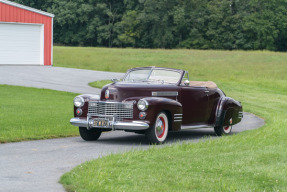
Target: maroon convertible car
154,101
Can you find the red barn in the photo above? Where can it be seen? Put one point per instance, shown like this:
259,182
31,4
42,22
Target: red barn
26,35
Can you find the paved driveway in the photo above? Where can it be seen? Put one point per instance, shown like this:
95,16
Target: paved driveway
38,165
56,78
34,166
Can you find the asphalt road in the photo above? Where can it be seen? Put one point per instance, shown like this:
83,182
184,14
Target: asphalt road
38,165
56,78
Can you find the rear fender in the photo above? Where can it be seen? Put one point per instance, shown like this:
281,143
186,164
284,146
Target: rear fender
228,112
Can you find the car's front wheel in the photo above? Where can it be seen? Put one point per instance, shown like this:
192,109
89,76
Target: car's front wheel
90,135
157,133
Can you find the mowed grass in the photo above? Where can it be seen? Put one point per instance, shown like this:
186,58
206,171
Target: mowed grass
99,84
250,161
216,65
30,113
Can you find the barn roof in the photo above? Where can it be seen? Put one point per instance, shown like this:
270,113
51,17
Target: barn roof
27,8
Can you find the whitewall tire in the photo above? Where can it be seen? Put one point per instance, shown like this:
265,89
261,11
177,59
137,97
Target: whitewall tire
157,133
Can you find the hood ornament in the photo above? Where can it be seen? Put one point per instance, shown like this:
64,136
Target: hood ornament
115,80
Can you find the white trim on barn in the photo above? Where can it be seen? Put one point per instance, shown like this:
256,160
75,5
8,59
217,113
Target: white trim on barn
42,45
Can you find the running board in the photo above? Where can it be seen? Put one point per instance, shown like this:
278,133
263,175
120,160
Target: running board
183,127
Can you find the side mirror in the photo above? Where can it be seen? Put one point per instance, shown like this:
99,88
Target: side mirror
186,82
115,80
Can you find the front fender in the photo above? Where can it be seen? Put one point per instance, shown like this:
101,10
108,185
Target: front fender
87,98
157,105
227,109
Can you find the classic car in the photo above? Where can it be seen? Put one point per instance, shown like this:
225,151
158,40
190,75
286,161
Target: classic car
154,101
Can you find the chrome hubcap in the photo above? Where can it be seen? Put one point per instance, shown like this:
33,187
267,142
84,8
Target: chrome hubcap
160,127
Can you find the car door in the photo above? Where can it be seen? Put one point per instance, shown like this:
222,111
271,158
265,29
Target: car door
194,102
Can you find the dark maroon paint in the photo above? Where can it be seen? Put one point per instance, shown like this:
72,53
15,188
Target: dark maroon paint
196,104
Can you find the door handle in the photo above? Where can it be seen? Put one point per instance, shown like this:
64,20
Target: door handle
206,91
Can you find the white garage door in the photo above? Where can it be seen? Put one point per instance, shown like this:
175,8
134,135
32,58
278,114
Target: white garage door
21,44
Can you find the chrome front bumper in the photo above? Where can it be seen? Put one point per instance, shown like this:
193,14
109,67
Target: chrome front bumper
133,125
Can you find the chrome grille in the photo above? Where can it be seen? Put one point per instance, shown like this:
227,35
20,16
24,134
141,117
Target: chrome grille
120,110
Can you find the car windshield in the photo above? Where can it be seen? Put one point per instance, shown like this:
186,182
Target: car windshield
158,76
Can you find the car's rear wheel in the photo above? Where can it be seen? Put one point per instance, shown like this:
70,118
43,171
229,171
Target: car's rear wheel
223,129
90,135
157,133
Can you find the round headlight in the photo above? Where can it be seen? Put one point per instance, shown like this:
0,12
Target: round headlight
79,101
142,105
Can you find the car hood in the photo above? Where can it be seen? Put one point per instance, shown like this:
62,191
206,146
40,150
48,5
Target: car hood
121,90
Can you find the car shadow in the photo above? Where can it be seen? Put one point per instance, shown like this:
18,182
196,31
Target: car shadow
126,138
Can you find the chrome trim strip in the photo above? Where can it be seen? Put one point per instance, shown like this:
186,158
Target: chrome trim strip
177,114
195,126
127,102
134,125
240,115
177,117
101,115
165,93
177,121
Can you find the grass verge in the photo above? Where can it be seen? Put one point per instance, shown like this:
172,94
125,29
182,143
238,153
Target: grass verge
251,161
30,113
99,84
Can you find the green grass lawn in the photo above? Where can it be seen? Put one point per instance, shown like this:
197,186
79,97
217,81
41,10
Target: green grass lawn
214,65
250,161
30,113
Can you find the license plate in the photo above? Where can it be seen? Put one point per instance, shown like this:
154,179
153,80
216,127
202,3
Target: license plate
100,123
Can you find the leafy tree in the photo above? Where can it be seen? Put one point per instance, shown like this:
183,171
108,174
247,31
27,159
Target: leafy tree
197,24
129,25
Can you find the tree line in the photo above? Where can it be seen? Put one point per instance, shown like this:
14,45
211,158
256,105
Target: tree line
196,24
